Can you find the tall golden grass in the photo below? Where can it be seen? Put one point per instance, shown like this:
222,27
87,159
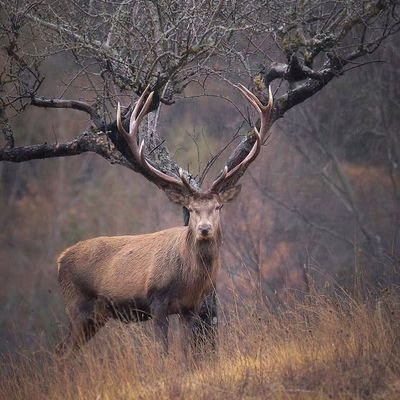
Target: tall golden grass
320,347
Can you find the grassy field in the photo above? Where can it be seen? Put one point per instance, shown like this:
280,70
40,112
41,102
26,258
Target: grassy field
323,347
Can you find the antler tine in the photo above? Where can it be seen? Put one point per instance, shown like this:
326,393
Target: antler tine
264,112
255,150
251,156
254,99
140,110
139,103
164,177
137,119
249,96
219,180
131,137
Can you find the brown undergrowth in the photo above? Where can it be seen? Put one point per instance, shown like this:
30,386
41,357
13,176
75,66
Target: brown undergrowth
322,347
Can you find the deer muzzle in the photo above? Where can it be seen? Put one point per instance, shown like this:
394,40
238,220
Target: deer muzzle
205,230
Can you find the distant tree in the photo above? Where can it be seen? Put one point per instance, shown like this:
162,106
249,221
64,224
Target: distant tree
120,47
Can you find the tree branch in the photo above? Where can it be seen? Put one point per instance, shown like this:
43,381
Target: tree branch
88,141
294,71
73,104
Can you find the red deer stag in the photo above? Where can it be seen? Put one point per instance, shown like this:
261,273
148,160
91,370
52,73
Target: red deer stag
135,278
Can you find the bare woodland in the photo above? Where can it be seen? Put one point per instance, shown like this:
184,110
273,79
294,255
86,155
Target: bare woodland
319,210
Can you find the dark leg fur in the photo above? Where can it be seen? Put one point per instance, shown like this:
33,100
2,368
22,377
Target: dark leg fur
161,322
186,331
85,321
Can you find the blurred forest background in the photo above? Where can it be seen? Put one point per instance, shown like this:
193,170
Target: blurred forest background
320,206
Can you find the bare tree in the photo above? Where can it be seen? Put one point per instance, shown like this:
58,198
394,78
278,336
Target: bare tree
117,48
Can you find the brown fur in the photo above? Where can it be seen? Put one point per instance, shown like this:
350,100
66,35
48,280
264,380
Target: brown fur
135,278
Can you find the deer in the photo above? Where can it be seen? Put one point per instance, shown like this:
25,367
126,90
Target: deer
135,278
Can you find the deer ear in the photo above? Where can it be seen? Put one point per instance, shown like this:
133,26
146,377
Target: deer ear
230,194
177,197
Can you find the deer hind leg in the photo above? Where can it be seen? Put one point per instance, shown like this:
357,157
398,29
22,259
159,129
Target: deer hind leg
86,318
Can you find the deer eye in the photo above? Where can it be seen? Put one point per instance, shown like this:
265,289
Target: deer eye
219,207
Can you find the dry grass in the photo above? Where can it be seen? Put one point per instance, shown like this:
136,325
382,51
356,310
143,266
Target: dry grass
320,348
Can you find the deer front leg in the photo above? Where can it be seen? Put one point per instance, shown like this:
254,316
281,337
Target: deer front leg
186,331
161,322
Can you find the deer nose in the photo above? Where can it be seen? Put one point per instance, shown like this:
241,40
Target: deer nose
204,229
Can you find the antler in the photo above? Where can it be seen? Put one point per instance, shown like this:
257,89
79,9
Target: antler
260,136
159,178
